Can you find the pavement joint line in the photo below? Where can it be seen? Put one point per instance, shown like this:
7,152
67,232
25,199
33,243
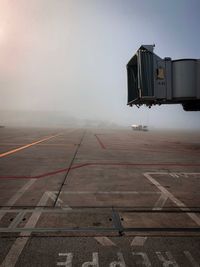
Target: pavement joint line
15,251
26,232
110,192
28,145
89,209
176,201
59,202
70,166
117,222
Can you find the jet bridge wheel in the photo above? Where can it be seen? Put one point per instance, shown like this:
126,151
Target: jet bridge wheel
191,106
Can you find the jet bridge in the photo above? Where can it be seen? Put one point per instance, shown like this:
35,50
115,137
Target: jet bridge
156,81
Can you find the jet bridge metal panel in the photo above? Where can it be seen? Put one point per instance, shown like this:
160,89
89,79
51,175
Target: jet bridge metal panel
153,80
140,76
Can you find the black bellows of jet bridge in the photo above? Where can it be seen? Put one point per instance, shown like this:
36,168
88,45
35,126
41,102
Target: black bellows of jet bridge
156,81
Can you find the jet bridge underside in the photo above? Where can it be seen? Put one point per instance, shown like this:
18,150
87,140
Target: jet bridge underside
156,81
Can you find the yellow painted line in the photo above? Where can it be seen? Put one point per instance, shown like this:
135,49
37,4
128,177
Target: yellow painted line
26,146
61,144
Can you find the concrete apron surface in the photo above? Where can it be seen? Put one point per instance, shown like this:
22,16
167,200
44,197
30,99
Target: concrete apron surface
99,197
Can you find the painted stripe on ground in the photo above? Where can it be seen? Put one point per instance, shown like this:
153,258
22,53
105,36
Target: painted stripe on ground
59,202
28,145
140,240
100,142
179,203
17,219
104,241
19,244
160,202
17,195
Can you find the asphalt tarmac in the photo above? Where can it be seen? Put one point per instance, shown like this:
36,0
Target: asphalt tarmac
99,197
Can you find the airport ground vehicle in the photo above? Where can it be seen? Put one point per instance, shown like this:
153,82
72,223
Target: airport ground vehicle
140,127
156,81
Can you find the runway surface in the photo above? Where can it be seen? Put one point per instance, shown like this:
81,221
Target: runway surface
99,197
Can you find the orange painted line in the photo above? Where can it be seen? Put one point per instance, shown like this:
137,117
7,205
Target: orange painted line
26,146
10,144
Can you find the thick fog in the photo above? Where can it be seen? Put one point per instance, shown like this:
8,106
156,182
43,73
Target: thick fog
65,61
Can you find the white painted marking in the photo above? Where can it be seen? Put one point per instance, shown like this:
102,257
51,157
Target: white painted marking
59,202
160,202
94,262
179,203
174,175
68,262
191,259
145,259
167,260
120,262
17,195
138,241
17,219
14,252
105,241
19,244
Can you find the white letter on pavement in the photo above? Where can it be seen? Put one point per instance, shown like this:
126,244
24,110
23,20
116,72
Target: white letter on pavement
120,262
191,259
168,260
68,262
145,258
94,262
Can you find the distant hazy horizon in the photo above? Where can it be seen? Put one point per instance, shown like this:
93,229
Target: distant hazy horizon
64,120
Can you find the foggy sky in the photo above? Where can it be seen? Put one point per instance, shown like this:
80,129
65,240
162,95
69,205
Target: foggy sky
70,56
